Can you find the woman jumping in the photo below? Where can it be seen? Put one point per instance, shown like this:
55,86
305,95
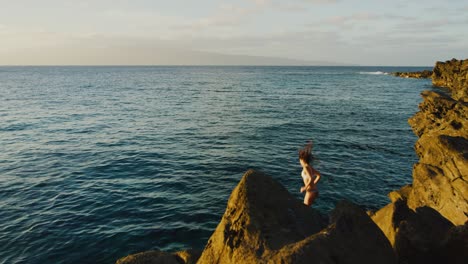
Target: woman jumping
310,176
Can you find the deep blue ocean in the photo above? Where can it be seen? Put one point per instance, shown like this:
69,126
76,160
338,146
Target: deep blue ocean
100,162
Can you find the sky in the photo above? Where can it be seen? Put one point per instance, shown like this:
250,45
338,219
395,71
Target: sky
152,32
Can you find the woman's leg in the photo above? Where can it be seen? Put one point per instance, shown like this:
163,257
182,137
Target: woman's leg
313,196
310,197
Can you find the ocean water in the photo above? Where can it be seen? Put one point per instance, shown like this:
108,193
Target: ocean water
100,162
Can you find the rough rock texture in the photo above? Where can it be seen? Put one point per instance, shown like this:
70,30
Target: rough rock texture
417,236
422,235
419,75
260,216
263,223
427,220
440,178
161,257
453,75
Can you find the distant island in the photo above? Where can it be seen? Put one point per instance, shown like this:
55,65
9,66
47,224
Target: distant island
147,55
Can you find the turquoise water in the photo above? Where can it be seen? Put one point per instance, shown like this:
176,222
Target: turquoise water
100,162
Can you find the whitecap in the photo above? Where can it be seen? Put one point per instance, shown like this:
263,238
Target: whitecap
375,73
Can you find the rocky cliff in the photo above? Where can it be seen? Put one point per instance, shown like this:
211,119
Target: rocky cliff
426,222
453,75
440,178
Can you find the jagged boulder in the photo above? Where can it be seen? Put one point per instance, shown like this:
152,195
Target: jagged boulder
440,114
432,187
351,237
452,74
261,216
422,235
263,223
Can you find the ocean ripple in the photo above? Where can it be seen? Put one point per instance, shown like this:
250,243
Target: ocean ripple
100,162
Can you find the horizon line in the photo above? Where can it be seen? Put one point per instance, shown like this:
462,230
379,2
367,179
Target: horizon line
200,65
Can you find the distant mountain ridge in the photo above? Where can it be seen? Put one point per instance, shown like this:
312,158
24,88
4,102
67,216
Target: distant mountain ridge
142,55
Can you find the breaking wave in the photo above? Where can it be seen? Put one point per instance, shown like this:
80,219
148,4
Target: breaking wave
375,73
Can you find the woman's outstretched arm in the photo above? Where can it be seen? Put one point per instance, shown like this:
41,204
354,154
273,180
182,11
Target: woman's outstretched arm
318,176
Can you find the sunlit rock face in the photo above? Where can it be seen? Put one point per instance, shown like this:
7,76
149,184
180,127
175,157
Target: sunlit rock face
452,74
264,223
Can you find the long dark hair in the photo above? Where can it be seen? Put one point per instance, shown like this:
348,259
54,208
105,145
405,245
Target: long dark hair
305,153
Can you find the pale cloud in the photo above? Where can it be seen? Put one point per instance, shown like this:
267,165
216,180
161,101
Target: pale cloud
447,10
3,29
290,6
379,40
348,21
321,1
425,27
225,21
306,44
266,2
422,26
403,18
390,23
225,16
143,22
297,29
261,2
284,39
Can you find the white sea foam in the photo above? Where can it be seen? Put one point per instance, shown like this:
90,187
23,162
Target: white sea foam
375,73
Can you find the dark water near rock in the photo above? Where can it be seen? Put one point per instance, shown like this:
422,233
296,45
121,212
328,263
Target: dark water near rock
100,162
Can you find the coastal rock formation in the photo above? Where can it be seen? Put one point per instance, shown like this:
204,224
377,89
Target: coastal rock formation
418,75
263,223
440,178
427,220
452,74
